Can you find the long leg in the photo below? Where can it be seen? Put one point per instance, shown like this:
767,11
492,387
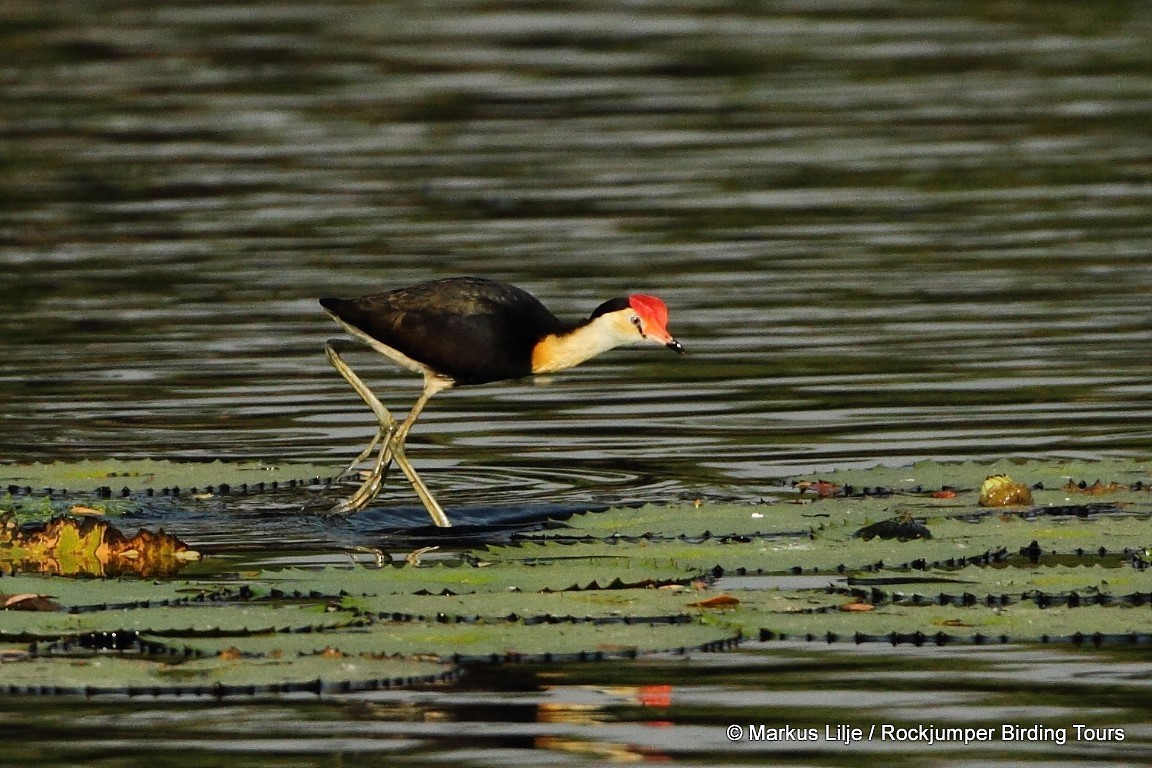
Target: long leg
364,454
432,385
332,349
391,439
383,416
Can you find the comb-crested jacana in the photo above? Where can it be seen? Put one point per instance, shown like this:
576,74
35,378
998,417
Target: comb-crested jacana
470,330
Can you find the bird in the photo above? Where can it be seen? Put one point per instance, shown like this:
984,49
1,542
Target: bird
466,331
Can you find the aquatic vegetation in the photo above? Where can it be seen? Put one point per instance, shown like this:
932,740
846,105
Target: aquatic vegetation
88,546
816,562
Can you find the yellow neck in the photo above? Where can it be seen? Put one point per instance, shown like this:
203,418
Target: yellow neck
556,352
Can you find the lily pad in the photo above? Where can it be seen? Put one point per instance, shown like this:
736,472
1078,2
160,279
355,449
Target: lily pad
1023,623
605,605
1051,475
216,676
488,576
140,476
487,642
622,583
180,621
79,595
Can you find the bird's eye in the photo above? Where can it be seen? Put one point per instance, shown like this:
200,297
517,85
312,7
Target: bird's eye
636,322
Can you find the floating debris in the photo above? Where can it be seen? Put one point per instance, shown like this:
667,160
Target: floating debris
88,546
1001,491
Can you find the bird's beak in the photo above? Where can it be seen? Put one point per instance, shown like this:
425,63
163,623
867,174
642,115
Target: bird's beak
661,336
657,333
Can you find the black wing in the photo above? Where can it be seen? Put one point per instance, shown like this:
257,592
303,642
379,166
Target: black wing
469,329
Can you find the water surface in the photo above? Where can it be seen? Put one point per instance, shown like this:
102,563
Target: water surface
887,231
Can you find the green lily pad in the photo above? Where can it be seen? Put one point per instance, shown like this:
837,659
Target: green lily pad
1071,566
1085,581
581,573
216,676
603,604
497,641
1051,474
1022,623
832,547
139,475
80,595
226,620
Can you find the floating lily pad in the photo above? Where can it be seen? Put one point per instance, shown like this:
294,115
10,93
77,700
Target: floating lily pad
138,476
216,676
498,641
594,605
998,586
489,576
1052,475
78,595
1022,623
614,584
687,521
180,621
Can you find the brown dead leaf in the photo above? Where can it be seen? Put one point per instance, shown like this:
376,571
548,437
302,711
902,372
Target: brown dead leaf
78,509
1096,489
231,653
821,488
944,493
719,601
88,546
857,607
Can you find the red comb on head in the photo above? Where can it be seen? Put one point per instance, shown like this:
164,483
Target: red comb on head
650,308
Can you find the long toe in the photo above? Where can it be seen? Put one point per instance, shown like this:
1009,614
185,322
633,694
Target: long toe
348,506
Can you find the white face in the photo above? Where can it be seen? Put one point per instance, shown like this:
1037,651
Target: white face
626,327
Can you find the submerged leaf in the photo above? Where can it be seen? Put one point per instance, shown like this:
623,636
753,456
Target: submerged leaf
901,529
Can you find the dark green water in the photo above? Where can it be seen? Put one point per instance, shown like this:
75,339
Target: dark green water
887,231
867,706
